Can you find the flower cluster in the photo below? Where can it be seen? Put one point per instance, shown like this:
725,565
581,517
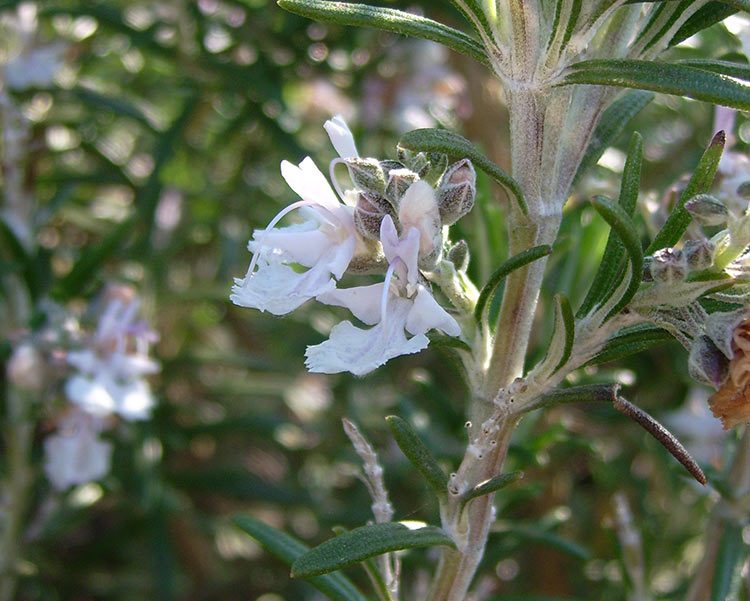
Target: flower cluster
108,381
391,222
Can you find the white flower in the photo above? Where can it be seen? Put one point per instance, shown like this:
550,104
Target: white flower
111,370
75,454
341,137
397,306
324,243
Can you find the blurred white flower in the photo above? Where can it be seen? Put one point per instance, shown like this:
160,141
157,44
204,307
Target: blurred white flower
75,454
112,369
324,243
397,306
29,64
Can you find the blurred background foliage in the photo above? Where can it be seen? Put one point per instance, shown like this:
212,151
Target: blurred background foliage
151,160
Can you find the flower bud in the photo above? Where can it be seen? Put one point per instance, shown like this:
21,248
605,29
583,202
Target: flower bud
368,258
743,190
457,191
419,209
707,210
668,266
459,255
646,274
367,174
369,212
399,181
699,254
707,363
438,165
721,327
420,164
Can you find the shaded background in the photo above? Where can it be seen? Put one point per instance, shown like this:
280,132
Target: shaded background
154,156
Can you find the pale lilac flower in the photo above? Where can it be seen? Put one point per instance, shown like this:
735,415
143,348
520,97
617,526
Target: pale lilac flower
324,243
75,454
399,305
112,369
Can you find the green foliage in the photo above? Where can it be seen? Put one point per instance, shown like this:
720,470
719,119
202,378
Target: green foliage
716,86
610,273
515,262
622,224
364,542
387,19
700,182
288,549
415,450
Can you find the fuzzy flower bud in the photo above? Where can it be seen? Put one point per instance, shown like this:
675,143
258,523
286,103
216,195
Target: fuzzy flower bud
457,191
668,266
419,209
367,174
707,210
707,363
459,255
399,181
699,254
369,213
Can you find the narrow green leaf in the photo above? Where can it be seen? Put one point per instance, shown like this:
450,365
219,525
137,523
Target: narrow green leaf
443,341
610,273
630,342
363,542
118,106
515,262
564,316
700,183
619,220
452,144
728,561
706,16
589,393
473,13
666,78
288,549
611,124
417,452
388,19
537,534
492,485
731,68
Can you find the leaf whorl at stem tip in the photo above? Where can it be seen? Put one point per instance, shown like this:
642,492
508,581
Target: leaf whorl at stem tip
660,433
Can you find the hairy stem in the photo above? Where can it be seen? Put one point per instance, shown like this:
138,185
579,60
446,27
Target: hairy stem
457,568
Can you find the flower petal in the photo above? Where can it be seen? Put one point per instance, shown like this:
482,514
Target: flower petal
405,248
309,183
277,288
75,454
426,314
90,394
360,351
362,301
341,137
